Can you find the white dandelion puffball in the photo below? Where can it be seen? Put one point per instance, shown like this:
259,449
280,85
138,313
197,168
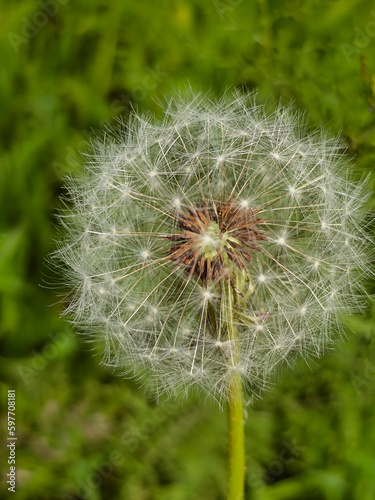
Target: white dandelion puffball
221,239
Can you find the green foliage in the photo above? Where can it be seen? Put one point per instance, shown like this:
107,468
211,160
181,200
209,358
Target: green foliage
82,431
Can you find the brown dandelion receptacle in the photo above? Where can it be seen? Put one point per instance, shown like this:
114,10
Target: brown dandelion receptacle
216,238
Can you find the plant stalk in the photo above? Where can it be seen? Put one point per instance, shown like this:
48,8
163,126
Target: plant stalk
236,436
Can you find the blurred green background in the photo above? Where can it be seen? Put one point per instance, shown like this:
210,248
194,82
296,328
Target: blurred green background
67,69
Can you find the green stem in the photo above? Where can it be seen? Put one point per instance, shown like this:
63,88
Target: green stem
236,437
236,479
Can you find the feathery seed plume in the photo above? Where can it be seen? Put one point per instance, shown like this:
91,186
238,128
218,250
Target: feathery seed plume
219,212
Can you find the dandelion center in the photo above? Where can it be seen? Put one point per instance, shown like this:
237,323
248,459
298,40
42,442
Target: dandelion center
216,239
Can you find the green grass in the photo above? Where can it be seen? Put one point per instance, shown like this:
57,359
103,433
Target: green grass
82,431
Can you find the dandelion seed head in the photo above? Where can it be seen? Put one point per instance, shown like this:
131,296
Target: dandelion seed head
218,199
